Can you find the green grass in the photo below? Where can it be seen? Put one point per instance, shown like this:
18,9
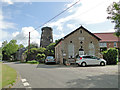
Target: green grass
9,75
32,62
0,75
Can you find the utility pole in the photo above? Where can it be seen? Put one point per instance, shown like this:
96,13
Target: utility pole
28,48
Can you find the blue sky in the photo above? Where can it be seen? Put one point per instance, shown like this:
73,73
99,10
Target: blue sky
18,18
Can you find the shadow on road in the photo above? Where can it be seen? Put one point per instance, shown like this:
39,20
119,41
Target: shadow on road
101,81
50,65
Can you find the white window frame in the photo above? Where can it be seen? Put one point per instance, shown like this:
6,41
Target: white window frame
103,44
115,44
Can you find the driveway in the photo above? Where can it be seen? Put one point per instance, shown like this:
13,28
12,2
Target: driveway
57,76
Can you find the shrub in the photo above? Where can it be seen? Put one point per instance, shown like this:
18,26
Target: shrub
40,57
33,62
110,56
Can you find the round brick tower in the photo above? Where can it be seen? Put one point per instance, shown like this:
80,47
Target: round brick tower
46,37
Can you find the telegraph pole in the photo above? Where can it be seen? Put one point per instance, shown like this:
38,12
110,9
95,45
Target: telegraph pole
28,48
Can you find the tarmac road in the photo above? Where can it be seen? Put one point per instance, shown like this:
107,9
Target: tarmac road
56,76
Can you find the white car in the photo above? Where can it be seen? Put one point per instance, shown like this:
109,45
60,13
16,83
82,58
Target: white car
50,59
85,60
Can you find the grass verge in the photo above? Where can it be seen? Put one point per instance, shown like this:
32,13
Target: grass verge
32,62
9,75
0,75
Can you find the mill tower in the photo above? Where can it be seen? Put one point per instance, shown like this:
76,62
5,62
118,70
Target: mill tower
46,36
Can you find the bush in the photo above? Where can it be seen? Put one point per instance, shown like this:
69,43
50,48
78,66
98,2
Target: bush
40,57
33,62
110,56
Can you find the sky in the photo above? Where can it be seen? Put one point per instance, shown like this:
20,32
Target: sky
19,17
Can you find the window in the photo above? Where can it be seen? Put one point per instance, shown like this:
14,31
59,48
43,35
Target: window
80,31
81,38
115,44
91,49
103,44
71,50
87,57
50,40
70,41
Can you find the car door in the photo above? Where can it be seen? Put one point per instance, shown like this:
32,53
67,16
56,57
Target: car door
88,60
95,60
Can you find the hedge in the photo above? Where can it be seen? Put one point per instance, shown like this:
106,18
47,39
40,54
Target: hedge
111,56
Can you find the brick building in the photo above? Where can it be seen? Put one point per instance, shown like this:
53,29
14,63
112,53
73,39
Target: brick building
108,40
78,42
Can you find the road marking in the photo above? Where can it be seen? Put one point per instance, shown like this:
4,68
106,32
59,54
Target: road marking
23,80
26,84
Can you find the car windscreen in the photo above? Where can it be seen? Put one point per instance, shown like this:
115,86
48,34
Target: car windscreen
50,57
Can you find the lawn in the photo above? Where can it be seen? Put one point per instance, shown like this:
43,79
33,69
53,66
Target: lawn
8,75
0,75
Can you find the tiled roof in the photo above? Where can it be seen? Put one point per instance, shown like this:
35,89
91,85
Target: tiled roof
107,37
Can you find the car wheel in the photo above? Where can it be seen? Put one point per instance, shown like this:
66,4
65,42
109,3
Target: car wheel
102,64
83,64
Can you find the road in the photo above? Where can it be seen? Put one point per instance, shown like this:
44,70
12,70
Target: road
56,76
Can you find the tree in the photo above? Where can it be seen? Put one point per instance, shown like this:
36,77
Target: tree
56,41
50,50
33,45
41,50
21,46
9,49
114,15
40,57
0,53
4,43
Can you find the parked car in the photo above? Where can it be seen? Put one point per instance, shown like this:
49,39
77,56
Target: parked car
85,60
50,59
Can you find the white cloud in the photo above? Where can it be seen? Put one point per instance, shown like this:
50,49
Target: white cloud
24,35
71,26
15,34
86,12
4,35
58,35
8,1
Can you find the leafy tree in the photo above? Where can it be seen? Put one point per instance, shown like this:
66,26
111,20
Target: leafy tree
33,45
114,15
56,41
50,50
9,49
0,53
4,43
40,57
41,50
20,46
